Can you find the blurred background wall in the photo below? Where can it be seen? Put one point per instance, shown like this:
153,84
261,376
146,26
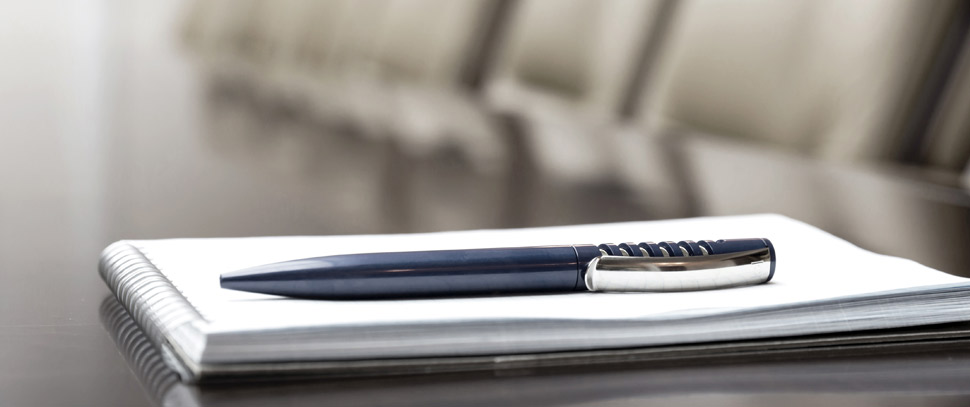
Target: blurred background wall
258,117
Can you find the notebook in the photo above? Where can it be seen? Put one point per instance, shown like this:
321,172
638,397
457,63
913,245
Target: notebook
822,285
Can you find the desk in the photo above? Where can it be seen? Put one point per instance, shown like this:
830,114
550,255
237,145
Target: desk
135,153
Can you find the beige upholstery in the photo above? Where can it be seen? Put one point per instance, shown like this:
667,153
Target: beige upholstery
455,168
423,47
827,77
583,51
316,32
215,29
343,92
427,40
565,71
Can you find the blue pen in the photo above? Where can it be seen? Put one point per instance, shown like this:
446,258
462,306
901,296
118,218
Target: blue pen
631,267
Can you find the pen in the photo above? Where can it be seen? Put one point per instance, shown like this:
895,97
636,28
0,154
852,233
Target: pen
634,267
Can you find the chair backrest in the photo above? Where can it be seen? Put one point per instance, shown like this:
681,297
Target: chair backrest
316,31
832,78
430,40
583,52
215,28
354,44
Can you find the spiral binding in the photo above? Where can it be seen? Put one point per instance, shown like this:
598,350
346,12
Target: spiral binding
683,248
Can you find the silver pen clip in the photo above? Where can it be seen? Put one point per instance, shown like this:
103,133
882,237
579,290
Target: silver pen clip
686,273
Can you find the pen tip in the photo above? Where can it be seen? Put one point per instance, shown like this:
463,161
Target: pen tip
236,280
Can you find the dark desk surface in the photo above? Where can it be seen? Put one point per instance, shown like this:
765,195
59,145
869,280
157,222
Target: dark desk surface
132,145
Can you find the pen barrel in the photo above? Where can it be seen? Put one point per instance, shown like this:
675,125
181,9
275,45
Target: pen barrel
422,274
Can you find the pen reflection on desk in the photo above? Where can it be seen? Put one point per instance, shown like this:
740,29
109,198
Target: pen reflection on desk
630,267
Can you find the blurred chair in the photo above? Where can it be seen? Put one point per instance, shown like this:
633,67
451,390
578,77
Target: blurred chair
263,47
840,81
211,27
345,92
564,70
425,50
829,78
390,68
563,78
284,66
317,54
389,85
247,36
573,110
452,168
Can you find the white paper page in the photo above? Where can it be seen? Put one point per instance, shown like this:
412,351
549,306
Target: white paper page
812,265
